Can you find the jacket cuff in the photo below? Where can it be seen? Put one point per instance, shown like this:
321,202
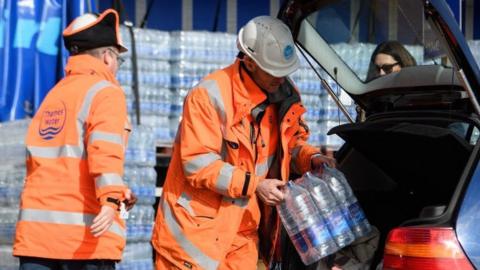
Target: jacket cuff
111,202
249,184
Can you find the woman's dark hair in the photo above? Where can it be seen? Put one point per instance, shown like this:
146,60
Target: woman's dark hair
396,50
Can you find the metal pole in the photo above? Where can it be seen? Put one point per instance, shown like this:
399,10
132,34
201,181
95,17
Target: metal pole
336,99
329,89
187,15
232,16
464,81
140,11
469,19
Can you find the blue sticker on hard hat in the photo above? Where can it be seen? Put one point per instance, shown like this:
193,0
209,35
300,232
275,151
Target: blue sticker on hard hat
288,52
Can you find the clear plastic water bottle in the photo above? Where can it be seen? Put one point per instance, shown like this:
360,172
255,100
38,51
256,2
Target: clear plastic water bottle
304,224
329,208
349,203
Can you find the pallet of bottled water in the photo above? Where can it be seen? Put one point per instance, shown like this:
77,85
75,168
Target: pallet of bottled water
171,63
321,215
141,178
153,53
12,175
322,112
203,46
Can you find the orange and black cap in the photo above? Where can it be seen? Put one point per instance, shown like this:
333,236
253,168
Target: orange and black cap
90,31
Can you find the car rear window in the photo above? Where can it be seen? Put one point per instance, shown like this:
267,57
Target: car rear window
355,28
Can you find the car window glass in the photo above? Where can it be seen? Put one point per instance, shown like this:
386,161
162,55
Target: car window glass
475,136
468,219
355,28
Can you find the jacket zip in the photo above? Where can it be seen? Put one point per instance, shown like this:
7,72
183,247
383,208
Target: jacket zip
253,140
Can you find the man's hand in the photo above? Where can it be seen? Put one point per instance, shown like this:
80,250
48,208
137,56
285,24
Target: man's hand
318,160
269,192
130,199
103,221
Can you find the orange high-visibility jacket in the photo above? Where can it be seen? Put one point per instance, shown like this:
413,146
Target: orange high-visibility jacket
75,154
220,155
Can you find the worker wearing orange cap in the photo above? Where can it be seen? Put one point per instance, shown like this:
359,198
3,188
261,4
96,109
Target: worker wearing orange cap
69,209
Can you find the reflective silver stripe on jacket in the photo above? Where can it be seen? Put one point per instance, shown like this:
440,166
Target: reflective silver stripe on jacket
262,168
199,162
65,218
106,136
73,151
184,201
224,178
87,101
204,261
215,98
108,179
85,108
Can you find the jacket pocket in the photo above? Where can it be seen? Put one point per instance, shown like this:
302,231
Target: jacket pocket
230,147
201,205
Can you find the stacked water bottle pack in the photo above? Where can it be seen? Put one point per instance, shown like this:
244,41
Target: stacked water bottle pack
194,54
322,111
203,46
356,55
321,215
140,176
332,116
12,175
153,55
171,63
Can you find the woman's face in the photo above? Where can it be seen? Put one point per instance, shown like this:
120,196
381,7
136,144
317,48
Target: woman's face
386,64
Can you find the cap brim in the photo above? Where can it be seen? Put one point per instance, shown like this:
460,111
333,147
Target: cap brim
122,48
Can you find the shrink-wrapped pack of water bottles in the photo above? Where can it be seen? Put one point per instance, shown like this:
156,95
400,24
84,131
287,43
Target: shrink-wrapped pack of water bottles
321,214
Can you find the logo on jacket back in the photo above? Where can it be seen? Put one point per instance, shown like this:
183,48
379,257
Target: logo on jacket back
52,120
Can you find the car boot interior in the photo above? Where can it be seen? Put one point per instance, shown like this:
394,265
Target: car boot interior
398,167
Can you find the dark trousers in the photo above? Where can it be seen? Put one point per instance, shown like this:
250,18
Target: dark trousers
32,263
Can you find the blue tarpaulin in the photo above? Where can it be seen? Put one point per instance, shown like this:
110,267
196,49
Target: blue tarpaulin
32,55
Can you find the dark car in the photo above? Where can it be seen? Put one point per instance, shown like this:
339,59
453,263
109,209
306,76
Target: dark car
412,154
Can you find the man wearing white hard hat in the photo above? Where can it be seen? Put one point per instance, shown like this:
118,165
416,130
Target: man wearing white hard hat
69,209
241,134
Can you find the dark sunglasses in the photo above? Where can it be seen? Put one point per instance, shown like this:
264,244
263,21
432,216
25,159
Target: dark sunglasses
387,68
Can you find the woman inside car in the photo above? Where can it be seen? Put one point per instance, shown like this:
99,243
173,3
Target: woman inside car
389,56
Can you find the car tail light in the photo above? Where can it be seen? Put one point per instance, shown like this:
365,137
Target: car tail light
424,248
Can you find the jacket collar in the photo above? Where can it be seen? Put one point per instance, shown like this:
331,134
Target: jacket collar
86,64
246,93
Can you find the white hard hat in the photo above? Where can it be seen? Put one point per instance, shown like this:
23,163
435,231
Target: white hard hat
269,42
